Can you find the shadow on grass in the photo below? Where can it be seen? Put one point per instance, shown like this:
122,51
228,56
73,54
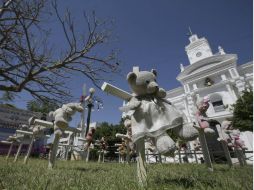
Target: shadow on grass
90,169
187,182
223,169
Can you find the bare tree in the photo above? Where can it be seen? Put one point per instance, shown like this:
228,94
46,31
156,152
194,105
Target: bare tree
29,63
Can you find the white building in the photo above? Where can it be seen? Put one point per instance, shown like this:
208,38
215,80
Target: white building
214,75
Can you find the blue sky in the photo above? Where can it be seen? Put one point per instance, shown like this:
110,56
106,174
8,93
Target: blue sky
152,34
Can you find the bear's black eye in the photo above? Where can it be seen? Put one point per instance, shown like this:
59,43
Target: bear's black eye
147,82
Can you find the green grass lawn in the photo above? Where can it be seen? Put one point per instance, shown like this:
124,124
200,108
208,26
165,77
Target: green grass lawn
81,175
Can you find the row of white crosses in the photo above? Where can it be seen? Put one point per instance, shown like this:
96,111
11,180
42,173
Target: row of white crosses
65,144
78,144
75,144
27,135
36,130
70,143
62,116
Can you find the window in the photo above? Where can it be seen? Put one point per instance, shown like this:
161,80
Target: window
218,106
198,54
217,103
233,73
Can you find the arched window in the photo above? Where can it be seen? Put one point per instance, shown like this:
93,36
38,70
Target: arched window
217,102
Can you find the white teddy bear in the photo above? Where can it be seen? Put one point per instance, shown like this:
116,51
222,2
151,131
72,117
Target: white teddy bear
62,116
152,115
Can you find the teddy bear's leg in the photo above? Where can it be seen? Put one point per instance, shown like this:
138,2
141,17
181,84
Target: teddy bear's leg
165,145
209,131
141,168
186,132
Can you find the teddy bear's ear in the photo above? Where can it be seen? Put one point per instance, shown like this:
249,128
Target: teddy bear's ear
131,76
154,72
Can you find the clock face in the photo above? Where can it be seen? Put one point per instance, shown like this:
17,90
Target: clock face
198,54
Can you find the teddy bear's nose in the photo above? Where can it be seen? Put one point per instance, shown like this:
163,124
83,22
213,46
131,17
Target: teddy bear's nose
152,87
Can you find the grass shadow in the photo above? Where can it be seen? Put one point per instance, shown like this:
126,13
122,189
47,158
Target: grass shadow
186,182
90,169
223,169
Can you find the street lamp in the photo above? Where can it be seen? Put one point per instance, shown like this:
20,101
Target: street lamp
82,123
89,100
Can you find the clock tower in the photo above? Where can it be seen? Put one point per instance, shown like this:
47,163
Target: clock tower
197,49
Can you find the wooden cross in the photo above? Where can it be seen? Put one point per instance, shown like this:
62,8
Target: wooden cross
224,145
141,170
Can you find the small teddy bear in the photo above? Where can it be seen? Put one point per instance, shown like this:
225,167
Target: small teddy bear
236,141
89,137
232,136
152,115
204,122
62,116
226,127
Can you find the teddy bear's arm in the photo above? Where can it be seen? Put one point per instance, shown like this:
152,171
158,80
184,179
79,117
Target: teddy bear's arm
133,104
161,93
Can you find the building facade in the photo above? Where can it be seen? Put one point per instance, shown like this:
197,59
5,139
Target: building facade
11,119
214,75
